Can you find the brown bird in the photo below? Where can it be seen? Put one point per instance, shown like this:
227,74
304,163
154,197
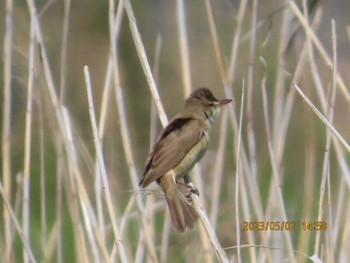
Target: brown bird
182,143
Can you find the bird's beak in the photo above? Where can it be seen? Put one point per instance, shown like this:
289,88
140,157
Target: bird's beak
224,101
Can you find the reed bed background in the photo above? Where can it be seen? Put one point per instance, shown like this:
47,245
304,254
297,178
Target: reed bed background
87,87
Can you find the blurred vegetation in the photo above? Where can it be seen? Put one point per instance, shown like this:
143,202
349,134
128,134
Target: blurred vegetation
89,44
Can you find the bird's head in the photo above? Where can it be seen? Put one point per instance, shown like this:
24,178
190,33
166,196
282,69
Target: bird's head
202,102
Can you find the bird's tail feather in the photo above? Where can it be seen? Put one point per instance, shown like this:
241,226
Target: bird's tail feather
182,213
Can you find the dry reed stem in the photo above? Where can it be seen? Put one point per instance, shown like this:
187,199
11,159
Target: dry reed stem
59,174
184,50
79,192
215,39
279,90
235,43
132,169
120,244
6,125
43,211
144,62
220,253
153,138
237,177
250,82
217,173
63,64
59,201
326,161
28,139
105,103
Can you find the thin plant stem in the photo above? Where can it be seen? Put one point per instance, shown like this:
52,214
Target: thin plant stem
110,209
144,62
6,125
250,85
218,171
63,64
105,103
42,182
237,179
78,188
216,43
132,169
236,41
28,140
183,43
326,161
220,253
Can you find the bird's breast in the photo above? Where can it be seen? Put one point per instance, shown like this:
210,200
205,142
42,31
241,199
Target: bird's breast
193,156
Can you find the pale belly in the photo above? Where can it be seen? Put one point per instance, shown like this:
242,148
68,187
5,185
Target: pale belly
193,156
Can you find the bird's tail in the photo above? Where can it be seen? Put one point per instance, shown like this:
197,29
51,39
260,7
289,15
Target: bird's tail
182,212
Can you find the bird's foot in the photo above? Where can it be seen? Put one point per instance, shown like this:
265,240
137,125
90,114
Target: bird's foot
191,190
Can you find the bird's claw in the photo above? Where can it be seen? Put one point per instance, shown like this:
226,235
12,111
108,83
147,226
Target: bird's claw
192,190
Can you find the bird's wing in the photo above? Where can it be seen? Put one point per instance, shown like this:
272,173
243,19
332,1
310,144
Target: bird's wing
180,135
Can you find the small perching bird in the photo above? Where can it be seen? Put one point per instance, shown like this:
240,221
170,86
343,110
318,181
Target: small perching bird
182,143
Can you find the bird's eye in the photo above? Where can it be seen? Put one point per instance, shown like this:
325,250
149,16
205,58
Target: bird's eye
211,104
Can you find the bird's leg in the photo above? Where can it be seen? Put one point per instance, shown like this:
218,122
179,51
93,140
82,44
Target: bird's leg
189,185
191,189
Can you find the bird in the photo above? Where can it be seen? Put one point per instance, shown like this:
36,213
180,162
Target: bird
179,147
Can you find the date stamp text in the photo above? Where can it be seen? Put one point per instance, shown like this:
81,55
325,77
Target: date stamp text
284,226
